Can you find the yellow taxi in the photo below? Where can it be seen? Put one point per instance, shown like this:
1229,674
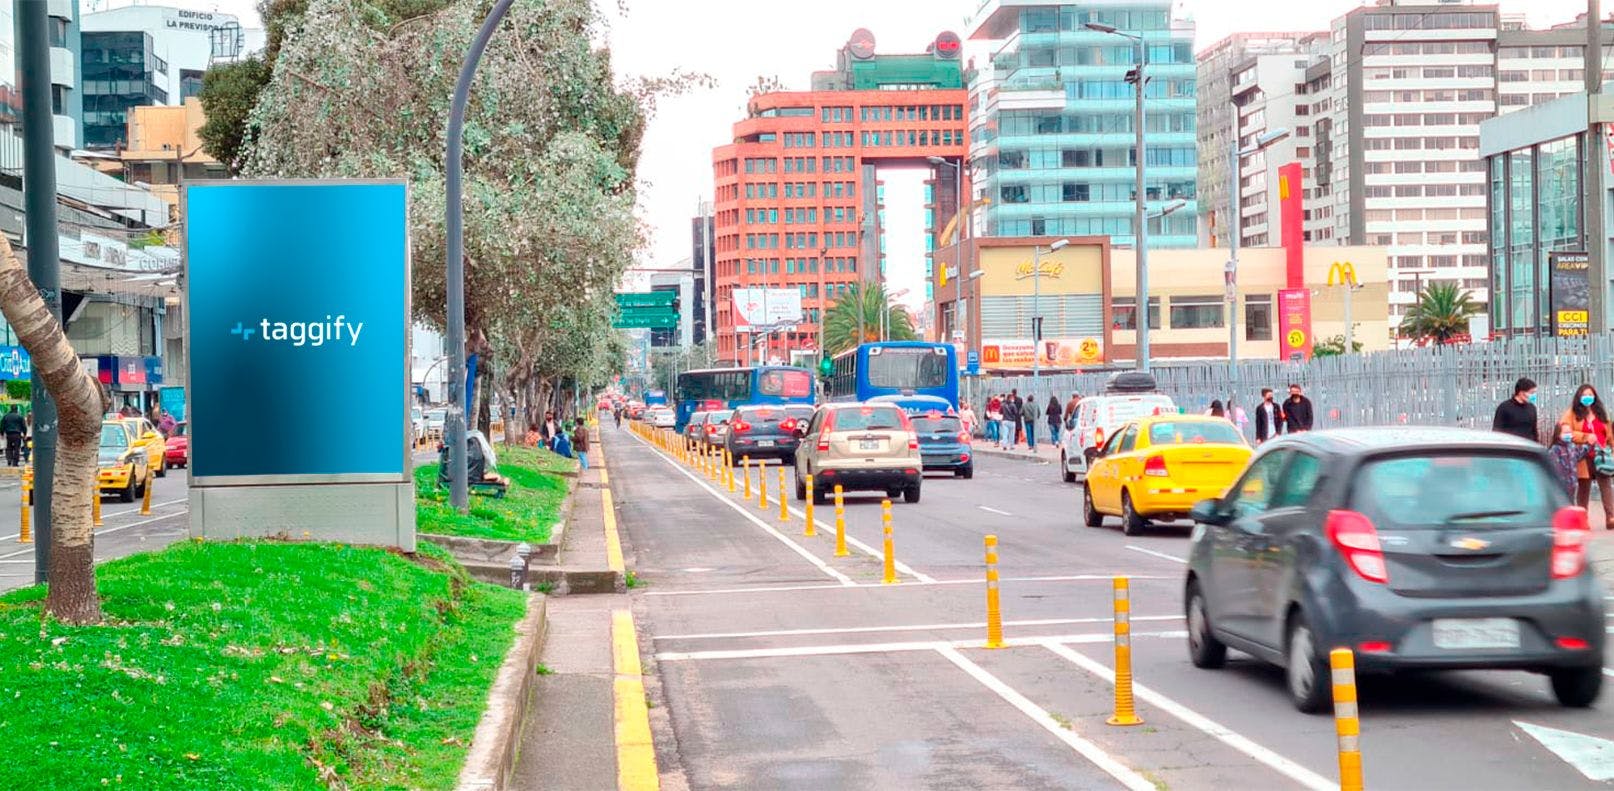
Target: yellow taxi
123,468
1158,467
148,438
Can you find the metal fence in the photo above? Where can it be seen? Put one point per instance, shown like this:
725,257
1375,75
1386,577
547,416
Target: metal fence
1434,386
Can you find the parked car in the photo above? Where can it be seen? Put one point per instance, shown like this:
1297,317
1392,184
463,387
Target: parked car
661,417
122,467
1097,418
943,445
1158,467
716,427
435,418
148,438
696,427
177,448
766,432
862,447
1421,549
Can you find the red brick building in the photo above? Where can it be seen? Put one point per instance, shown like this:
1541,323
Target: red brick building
797,199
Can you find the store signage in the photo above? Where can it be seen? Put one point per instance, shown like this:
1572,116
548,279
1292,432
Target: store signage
1049,269
1051,353
1571,292
1294,324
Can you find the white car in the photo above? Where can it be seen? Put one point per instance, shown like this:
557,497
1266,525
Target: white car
1097,418
662,417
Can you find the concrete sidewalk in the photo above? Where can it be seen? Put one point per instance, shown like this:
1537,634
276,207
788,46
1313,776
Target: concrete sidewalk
569,741
1045,453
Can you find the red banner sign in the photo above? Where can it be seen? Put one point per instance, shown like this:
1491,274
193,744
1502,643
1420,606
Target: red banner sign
1294,324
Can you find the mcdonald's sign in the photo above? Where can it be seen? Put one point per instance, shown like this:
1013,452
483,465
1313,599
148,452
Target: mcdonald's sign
1342,274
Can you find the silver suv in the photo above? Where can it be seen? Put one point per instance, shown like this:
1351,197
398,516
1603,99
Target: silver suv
862,447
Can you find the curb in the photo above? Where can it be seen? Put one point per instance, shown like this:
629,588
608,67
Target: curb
1011,454
493,752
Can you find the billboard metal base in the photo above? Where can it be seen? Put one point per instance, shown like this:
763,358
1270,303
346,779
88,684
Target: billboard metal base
381,514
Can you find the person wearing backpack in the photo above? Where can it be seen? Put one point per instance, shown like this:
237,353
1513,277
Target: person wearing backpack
1588,422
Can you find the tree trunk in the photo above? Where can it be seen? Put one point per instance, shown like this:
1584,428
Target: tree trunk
80,403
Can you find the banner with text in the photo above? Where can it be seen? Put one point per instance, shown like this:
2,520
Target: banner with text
1050,354
766,307
1294,324
1571,292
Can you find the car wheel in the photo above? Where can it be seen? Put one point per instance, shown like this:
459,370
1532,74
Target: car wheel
911,494
801,488
1307,676
969,472
820,494
1131,523
1064,469
162,469
127,495
1577,687
1090,514
1203,648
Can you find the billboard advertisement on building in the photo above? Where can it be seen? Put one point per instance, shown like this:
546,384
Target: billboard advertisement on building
1017,354
766,307
1571,292
298,297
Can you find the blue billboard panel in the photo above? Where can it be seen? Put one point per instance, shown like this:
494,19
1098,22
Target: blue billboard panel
298,295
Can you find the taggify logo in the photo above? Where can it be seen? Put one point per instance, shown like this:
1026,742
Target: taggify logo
301,333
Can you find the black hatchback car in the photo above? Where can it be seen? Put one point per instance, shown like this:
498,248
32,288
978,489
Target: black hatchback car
1419,549
766,432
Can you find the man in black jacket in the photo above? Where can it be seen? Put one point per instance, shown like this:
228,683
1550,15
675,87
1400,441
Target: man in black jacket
1268,417
1297,411
13,426
1517,415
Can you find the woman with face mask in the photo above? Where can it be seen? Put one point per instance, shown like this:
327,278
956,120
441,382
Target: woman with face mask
1588,425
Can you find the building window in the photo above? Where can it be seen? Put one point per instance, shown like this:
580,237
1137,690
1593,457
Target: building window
1197,312
1124,313
1258,317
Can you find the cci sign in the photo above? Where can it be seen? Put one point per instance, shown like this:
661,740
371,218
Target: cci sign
298,293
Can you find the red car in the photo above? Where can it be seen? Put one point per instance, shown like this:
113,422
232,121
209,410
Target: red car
178,448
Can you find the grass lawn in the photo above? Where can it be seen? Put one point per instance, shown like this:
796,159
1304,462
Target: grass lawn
254,664
525,513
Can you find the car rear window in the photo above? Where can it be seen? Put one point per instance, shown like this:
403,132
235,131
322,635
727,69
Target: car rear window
1194,433
942,424
1471,490
718,417
770,417
870,418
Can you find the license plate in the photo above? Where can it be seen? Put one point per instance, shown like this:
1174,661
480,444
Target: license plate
1460,633
764,443
868,444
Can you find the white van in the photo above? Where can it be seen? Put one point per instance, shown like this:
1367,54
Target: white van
1097,417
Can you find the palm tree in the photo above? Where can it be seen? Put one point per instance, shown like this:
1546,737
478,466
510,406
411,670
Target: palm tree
855,318
1442,311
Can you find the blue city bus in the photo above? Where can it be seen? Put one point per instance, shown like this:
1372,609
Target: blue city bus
727,388
655,397
896,368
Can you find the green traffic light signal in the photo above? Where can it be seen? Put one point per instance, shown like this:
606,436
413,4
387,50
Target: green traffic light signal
826,366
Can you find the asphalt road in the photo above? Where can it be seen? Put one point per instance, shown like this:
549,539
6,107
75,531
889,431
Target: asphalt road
124,531
775,664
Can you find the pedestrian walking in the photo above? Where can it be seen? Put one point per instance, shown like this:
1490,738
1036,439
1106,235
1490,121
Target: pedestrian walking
1268,417
1216,409
1055,413
1236,414
166,424
1010,427
1028,415
966,418
1297,413
1070,407
580,444
1588,422
13,426
1517,415
994,417
617,413
1567,456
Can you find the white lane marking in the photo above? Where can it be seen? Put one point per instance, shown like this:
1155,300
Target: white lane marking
106,531
990,509
1294,771
1156,554
901,567
1130,779
105,515
911,628
910,585
767,528
1590,755
886,648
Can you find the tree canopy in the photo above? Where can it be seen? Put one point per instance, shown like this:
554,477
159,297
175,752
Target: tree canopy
1442,312
854,318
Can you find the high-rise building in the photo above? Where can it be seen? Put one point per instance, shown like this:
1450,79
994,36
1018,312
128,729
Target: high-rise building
796,201
704,257
1052,120
62,31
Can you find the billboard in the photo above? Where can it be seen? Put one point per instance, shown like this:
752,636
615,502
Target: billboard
1294,324
298,297
1571,292
764,307
1017,354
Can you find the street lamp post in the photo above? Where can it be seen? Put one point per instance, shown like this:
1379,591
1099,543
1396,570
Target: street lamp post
1036,306
958,278
1137,77
1235,178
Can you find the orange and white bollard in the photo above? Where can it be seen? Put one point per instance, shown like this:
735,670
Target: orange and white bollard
762,487
994,612
1125,710
145,500
890,546
840,524
784,502
1347,725
745,464
95,507
811,529
25,533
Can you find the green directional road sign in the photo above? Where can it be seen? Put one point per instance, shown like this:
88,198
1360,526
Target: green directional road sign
647,318
658,299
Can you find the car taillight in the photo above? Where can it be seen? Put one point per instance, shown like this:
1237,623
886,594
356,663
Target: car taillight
711,429
788,425
1098,437
1156,466
913,442
964,438
1570,532
739,427
1358,542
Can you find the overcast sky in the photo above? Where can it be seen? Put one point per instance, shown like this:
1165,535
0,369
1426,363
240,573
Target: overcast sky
735,41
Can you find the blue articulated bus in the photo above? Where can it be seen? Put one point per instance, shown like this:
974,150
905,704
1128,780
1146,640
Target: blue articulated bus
895,368
727,388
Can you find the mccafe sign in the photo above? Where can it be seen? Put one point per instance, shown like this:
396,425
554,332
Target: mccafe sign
1049,269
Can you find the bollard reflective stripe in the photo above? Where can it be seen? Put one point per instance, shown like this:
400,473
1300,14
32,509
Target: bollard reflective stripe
840,524
784,502
762,486
994,614
890,548
1347,723
95,507
1125,707
745,461
811,529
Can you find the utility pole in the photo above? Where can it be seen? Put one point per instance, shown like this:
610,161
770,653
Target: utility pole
1143,221
1235,230
1595,198
44,255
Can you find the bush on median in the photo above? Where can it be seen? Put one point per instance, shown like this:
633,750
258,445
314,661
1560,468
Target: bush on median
526,513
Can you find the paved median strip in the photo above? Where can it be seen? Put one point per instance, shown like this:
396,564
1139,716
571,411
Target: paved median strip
635,752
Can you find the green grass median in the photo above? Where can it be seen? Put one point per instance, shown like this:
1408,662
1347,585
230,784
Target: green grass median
526,512
254,664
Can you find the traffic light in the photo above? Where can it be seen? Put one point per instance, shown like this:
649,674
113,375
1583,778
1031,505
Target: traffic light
826,367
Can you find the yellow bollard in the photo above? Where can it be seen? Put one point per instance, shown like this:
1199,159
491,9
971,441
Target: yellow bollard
745,463
95,507
1125,712
762,486
145,501
994,612
728,468
1347,727
890,548
811,529
25,533
784,502
840,524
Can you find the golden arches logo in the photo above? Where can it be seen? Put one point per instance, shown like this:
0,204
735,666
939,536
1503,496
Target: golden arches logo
1342,274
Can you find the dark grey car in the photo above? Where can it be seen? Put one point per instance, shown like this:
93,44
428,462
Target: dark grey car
766,432
1416,548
